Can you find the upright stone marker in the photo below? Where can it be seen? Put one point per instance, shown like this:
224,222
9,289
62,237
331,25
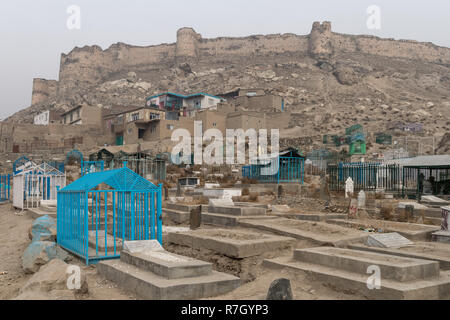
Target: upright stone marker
353,209
444,220
324,191
178,189
280,289
196,218
166,193
361,199
409,212
280,191
349,187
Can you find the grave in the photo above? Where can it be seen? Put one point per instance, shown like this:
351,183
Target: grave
222,193
347,269
155,274
231,243
311,216
220,202
387,240
441,236
100,244
412,231
178,213
229,216
349,187
434,201
422,250
318,232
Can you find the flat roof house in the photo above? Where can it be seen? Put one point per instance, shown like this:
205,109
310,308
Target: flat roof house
181,105
83,114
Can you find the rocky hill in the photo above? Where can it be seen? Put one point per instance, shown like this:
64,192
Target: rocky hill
330,80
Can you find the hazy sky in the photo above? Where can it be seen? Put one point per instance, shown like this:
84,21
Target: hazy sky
34,33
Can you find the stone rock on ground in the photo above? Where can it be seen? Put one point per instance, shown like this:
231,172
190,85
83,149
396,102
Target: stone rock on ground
39,253
346,76
51,282
280,289
43,229
281,209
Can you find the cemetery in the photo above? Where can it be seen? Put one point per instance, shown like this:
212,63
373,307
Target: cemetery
198,235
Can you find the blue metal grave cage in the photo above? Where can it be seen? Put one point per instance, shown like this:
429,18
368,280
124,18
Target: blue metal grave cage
5,187
92,223
287,167
92,166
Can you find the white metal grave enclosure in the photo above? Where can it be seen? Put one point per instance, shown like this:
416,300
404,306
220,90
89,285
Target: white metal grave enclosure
35,183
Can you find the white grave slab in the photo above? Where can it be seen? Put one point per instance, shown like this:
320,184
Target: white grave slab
221,203
165,256
281,208
388,240
143,246
168,229
212,185
435,199
417,206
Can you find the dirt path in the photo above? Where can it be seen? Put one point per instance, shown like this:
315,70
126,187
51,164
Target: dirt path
14,240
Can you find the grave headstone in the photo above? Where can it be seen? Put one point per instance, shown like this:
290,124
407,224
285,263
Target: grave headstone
280,191
349,187
361,199
353,209
178,189
387,240
142,246
324,191
195,218
280,208
166,193
409,212
444,220
280,289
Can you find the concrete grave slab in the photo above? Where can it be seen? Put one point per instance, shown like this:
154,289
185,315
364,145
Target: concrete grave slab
149,285
417,206
441,236
404,278
281,209
166,264
391,267
227,220
412,231
318,232
142,246
168,229
434,251
387,240
314,216
232,243
221,202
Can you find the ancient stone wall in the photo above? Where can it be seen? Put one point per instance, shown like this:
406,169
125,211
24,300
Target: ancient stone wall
43,90
91,65
26,138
